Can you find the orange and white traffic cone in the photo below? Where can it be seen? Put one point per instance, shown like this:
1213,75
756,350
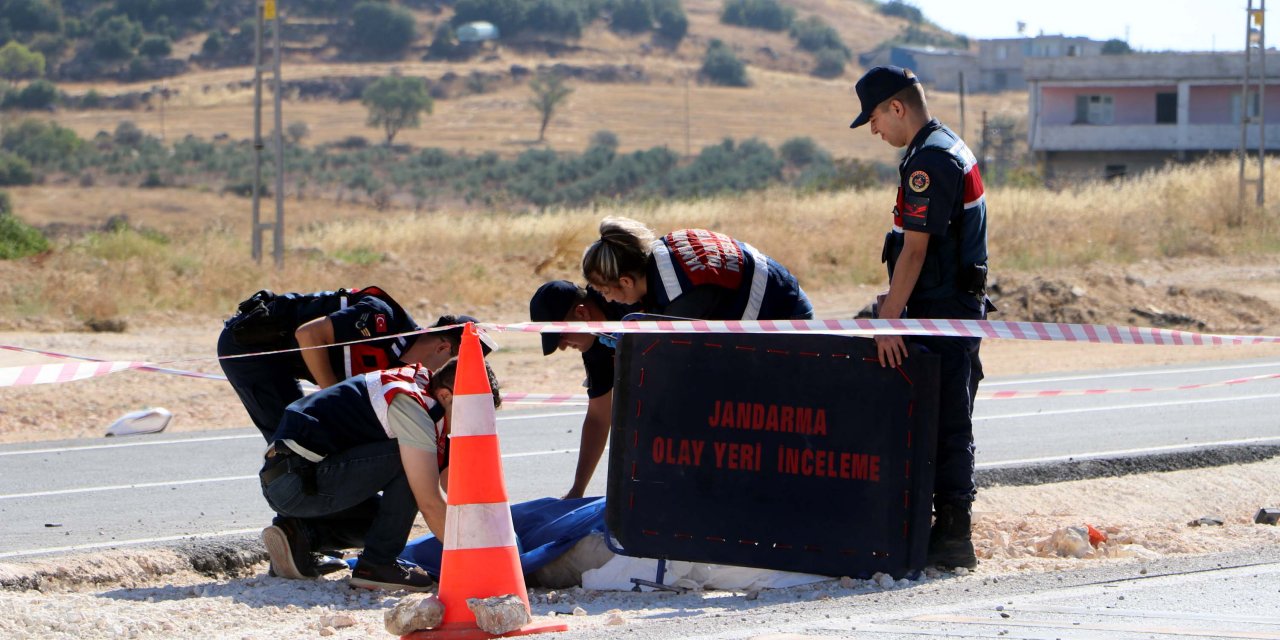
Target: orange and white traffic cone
480,556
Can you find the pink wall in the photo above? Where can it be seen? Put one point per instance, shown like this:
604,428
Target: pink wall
1137,105
1212,105
1131,105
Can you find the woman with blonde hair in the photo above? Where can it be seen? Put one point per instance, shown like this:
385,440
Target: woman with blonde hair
691,273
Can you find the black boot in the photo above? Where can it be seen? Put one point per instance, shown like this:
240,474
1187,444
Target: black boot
950,541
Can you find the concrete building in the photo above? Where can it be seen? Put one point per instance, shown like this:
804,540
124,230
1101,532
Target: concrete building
1108,116
938,68
995,66
1001,60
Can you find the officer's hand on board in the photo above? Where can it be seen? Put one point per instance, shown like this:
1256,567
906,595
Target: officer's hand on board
891,350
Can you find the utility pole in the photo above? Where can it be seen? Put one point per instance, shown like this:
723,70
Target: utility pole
687,150
1255,49
267,13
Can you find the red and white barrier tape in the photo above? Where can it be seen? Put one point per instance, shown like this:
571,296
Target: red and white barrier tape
1049,331
544,398
1060,332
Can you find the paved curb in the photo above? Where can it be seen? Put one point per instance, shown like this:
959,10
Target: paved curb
217,557
1114,467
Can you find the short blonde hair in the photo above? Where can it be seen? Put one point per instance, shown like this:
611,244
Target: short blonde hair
623,249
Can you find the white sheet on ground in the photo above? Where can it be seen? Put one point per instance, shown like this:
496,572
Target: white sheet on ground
616,575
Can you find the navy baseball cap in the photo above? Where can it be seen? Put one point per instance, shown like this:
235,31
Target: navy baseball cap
880,84
551,303
487,344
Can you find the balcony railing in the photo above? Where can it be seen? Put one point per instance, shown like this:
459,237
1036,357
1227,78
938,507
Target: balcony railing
1147,137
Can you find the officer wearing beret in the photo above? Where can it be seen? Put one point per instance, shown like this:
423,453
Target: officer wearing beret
936,253
559,301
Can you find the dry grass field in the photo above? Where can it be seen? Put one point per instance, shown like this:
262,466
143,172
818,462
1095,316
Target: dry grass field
185,262
783,102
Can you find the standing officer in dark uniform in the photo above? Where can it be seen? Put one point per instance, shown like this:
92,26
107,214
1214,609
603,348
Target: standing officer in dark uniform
561,300
268,383
937,258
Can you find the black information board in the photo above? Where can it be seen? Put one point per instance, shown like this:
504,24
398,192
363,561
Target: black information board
790,452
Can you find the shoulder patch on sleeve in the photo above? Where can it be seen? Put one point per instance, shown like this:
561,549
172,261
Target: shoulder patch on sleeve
918,181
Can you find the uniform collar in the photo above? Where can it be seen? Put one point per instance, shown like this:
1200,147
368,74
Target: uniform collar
921,135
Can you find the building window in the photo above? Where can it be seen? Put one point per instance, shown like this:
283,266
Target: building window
1001,81
1166,108
1114,171
1072,51
1254,109
1095,109
1002,52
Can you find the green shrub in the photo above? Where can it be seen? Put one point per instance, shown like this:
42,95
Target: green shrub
802,152
905,10
41,143
815,34
15,170
760,14
117,38
31,15
673,24
213,43
91,100
382,29
720,66
128,134
155,47
829,63
632,16
18,239
40,94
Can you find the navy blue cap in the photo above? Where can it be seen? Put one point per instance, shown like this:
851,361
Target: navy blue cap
551,303
880,84
487,344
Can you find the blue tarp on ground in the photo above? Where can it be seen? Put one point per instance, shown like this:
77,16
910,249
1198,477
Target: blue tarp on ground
545,529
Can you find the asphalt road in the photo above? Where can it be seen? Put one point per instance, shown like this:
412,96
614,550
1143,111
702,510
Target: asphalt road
88,494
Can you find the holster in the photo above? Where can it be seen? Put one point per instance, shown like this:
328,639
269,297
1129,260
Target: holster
973,279
254,323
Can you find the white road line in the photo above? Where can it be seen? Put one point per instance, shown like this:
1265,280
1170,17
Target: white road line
174,483
1123,407
126,543
1127,452
1131,374
252,436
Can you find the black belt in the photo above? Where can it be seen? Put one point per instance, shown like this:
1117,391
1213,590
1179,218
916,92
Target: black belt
277,463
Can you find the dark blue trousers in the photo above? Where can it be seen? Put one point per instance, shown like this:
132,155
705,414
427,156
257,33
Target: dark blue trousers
961,371
346,480
267,385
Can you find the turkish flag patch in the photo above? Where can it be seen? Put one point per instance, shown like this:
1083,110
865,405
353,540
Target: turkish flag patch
380,323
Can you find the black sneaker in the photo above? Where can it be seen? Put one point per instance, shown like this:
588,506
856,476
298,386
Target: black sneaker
289,550
391,577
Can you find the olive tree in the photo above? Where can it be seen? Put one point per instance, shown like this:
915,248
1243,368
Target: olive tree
549,92
396,102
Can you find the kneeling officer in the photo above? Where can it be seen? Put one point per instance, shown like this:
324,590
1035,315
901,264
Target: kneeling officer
384,431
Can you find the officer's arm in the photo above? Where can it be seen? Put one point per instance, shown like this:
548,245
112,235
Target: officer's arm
316,333
595,434
892,350
420,467
906,271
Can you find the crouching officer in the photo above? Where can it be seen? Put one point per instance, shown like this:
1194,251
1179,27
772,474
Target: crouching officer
936,253
269,382
384,431
266,322
691,273
561,300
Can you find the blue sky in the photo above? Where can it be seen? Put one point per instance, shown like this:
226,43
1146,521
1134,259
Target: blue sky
1153,25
